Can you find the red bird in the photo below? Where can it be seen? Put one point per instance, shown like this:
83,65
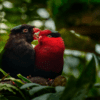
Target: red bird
49,54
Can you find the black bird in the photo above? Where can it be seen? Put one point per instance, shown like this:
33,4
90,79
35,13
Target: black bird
19,55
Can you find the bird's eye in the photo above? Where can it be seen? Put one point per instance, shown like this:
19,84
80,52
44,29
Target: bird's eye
25,30
49,36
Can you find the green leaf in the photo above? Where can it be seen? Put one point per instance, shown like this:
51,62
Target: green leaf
27,85
48,96
43,97
3,98
10,88
54,96
2,44
1,49
89,74
70,89
93,92
59,88
94,1
28,1
59,91
7,87
35,42
76,89
5,73
24,78
13,98
97,85
18,82
39,88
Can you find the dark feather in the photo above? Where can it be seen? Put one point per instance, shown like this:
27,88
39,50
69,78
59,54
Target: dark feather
19,53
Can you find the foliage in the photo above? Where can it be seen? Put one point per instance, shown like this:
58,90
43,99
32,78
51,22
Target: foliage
23,78
82,16
71,12
10,88
75,89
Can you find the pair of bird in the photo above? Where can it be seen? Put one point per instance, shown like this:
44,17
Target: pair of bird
45,60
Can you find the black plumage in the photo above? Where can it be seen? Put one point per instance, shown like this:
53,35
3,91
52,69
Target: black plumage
19,54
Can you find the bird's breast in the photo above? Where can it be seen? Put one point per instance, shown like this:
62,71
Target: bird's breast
48,59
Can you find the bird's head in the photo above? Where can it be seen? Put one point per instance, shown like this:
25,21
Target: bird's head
25,31
47,36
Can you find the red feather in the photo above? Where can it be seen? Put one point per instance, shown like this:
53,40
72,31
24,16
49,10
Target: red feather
49,52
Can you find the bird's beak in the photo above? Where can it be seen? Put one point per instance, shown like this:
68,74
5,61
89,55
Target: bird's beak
36,30
36,33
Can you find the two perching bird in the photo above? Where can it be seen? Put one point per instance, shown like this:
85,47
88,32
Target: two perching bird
45,60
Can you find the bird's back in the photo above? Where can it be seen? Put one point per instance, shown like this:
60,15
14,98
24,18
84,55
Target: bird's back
14,64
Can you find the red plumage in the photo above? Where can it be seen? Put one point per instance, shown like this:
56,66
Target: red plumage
49,55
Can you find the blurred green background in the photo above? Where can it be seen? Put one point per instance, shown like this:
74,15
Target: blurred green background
78,21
